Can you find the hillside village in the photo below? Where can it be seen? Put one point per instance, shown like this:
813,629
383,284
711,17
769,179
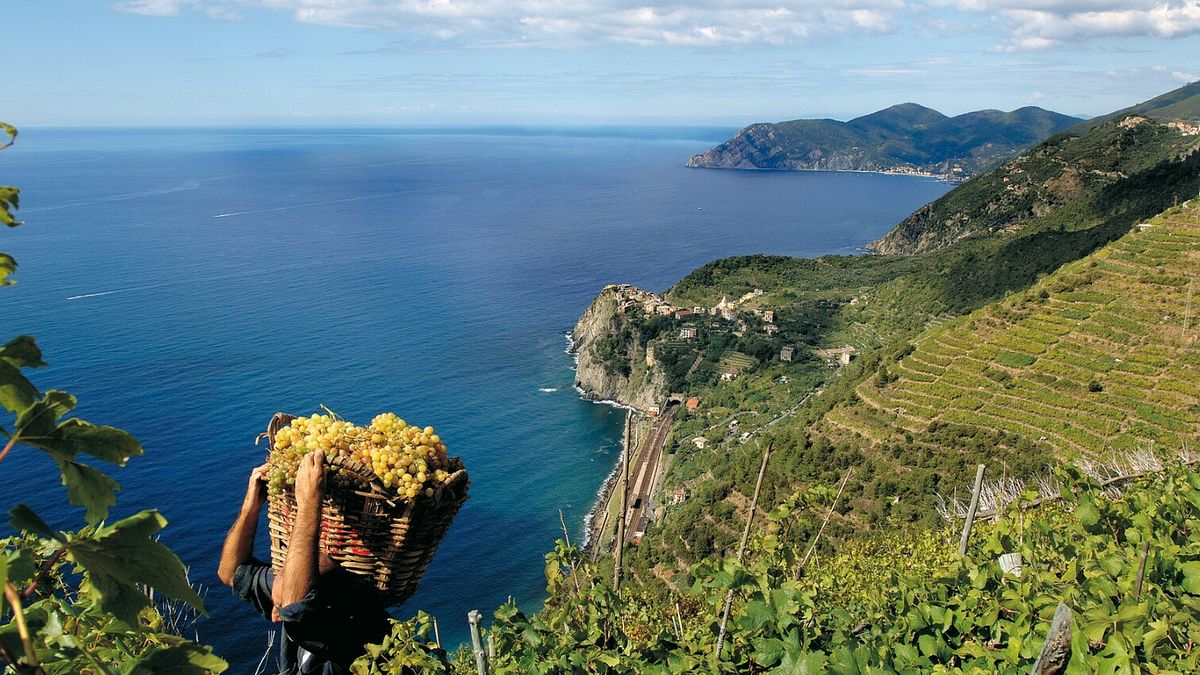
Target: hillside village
746,314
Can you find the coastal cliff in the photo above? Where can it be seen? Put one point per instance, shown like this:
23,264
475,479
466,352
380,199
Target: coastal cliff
765,146
612,359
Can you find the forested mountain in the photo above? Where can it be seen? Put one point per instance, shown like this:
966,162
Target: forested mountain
905,138
1069,181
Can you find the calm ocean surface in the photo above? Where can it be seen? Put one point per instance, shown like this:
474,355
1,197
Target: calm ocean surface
187,284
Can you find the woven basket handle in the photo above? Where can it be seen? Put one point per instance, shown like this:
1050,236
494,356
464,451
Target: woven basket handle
278,421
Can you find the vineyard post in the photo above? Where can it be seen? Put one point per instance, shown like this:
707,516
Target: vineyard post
1187,316
437,635
1141,571
1057,650
813,547
762,470
966,533
481,667
623,486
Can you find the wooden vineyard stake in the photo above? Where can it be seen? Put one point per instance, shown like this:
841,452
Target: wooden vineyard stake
1057,650
762,470
481,666
966,533
812,547
1141,572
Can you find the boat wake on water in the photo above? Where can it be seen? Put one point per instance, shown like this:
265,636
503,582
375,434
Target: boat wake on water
101,293
289,207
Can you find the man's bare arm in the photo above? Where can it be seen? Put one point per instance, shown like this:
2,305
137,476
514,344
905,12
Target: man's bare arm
300,568
239,543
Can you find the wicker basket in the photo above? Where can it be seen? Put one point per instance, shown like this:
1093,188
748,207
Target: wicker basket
385,541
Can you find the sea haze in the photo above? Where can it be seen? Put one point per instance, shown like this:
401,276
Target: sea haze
186,284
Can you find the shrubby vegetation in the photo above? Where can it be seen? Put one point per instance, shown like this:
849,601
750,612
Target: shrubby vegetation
895,600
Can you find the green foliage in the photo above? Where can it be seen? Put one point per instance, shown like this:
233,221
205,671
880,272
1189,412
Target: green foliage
99,616
898,601
408,649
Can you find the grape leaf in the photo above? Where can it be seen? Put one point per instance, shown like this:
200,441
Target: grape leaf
16,392
802,664
21,566
1086,511
8,265
22,352
23,519
767,651
16,566
75,436
125,554
41,418
10,200
1191,577
756,614
181,659
89,488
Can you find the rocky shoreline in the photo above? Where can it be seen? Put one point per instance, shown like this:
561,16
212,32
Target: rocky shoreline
642,389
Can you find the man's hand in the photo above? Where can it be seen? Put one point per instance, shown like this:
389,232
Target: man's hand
256,491
310,482
300,568
239,543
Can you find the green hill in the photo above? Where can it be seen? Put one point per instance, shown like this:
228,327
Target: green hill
1044,187
1179,104
1099,356
904,138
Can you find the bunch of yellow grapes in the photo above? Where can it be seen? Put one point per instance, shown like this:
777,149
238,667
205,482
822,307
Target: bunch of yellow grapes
410,459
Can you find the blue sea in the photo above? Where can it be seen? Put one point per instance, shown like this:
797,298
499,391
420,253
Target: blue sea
186,284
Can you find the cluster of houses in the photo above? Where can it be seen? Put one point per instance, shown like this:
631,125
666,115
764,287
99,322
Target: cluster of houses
653,304
1186,128
727,309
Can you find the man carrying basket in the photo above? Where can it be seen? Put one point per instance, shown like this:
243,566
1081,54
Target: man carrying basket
327,619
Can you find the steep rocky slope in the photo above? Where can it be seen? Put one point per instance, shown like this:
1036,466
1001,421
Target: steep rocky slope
612,363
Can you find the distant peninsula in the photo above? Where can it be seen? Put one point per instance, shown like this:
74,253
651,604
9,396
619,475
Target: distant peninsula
905,138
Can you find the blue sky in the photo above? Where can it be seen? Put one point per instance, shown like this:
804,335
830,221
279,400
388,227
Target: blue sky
708,62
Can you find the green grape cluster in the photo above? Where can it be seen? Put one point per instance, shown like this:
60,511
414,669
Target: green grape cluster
407,458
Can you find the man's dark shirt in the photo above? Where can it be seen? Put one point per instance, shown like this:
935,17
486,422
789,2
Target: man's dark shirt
333,622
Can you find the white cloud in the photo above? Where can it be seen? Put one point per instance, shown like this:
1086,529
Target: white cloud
148,7
567,22
217,10
1184,78
1044,24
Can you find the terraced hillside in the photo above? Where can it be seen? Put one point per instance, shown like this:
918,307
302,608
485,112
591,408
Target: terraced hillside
1099,355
